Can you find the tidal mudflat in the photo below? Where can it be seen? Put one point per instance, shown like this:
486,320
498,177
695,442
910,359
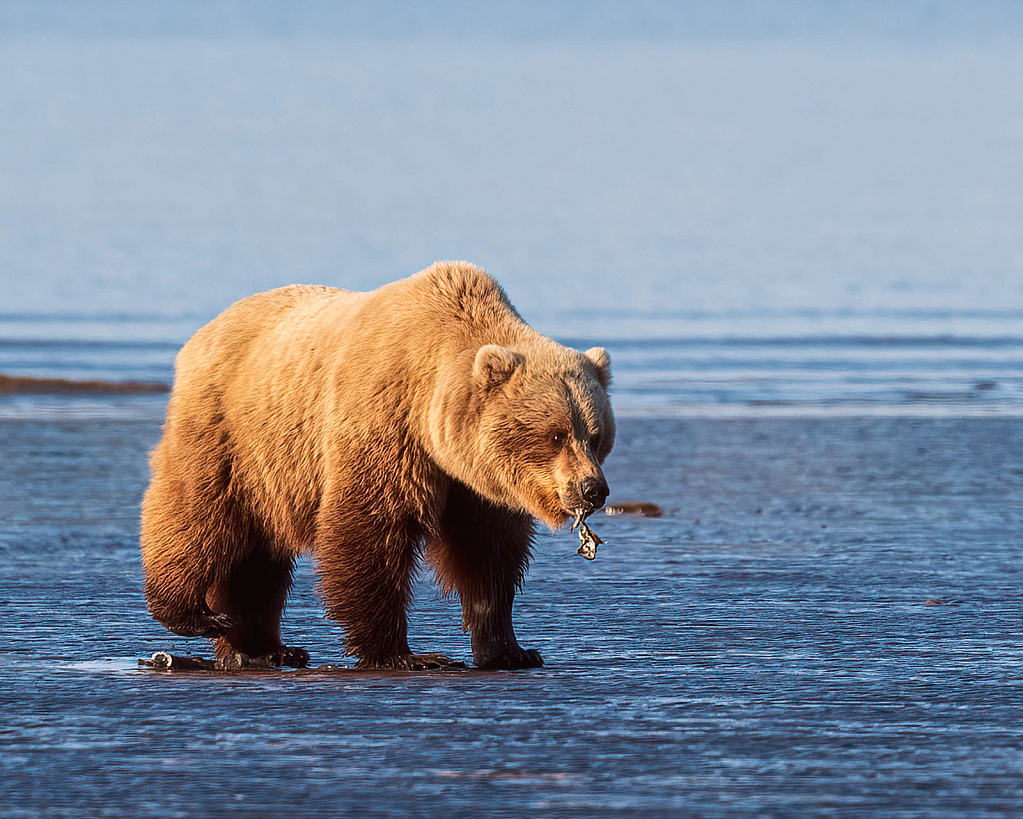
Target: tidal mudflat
824,621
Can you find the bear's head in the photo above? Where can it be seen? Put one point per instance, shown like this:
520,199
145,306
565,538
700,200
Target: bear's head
528,428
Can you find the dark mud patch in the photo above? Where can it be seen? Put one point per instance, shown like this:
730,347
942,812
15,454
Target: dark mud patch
643,509
28,385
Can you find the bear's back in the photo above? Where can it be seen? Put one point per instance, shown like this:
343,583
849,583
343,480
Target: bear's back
229,336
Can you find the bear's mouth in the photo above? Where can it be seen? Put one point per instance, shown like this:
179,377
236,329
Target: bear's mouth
572,505
574,502
575,505
578,513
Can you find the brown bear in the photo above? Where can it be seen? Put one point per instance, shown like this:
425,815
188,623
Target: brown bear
425,417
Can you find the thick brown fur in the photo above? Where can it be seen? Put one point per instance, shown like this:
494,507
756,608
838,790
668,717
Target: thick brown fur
368,428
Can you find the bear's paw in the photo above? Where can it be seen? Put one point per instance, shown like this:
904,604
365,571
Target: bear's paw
511,659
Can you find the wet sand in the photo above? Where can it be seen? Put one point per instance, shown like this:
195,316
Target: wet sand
824,622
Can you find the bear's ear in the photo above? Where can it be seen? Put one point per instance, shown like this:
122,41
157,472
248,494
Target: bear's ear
602,361
495,364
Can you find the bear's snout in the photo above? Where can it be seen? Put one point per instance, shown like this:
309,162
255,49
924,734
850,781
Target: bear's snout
594,491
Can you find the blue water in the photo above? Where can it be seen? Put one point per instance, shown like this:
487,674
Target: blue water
796,228
810,206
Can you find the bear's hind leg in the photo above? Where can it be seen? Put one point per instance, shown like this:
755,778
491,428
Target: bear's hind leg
252,592
482,554
366,582
178,543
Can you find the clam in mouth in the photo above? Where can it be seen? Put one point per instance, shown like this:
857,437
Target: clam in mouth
588,539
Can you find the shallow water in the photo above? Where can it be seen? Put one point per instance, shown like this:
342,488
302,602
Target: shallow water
825,622
796,229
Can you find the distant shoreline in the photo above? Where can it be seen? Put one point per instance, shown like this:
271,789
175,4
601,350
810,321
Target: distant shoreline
20,385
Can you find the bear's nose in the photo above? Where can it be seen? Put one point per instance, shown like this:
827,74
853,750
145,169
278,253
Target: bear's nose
594,491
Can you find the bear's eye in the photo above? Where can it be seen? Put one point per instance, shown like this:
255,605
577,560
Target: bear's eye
558,438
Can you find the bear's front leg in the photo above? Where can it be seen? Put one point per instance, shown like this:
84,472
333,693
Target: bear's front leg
482,554
493,636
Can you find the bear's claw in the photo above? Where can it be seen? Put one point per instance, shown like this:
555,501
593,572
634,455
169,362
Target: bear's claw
292,657
204,624
413,662
217,625
165,661
286,656
512,660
